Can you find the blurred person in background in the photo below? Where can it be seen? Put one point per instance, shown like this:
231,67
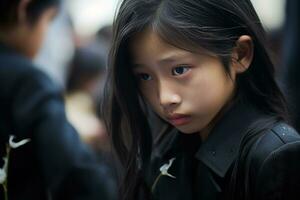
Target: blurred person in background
43,157
85,76
84,87
291,63
55,51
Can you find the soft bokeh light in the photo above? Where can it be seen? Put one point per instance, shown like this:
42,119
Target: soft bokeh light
271,12
89,16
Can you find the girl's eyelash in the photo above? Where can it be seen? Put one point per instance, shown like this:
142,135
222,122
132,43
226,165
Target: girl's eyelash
176,71
144,76
180,70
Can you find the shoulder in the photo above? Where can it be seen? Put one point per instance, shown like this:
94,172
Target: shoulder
279,138
275,161
14,64
18,72
27,88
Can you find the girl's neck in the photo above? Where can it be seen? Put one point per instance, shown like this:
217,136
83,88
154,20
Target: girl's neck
205,132
16,40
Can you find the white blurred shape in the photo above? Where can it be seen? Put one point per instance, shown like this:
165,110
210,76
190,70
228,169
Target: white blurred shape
57,49
89,16
271,12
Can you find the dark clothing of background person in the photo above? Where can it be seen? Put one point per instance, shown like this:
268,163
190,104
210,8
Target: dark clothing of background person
203,170
54,164
291,60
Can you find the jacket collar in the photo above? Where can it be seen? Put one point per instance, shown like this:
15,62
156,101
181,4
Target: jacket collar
221,147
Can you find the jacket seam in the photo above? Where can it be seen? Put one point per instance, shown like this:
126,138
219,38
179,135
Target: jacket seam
280,138
273,153
270,154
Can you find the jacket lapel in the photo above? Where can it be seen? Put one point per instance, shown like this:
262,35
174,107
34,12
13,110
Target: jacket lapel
207,185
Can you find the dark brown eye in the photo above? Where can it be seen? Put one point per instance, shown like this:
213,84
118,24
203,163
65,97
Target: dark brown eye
177,71
145,77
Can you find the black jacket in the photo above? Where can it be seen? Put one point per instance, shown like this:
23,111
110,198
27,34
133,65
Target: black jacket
54,164
203,170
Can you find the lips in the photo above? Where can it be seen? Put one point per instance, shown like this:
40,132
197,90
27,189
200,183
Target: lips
179,119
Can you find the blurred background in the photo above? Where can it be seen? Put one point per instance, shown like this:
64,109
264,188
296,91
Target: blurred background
76,60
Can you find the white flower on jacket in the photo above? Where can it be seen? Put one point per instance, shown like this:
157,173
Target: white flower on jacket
15,145
163,172
3,171
164,169
11,145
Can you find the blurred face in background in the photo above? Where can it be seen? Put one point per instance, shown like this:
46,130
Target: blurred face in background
25,35
35,33
31,35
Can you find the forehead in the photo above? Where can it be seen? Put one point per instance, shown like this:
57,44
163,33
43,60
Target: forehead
148,44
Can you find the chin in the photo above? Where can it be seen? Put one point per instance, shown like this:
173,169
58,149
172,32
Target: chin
191,128
187,130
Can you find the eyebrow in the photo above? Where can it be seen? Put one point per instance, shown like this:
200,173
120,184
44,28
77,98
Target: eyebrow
173,57
136,66
166,59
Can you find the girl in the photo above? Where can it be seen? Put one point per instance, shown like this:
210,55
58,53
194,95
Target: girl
41,156
203,67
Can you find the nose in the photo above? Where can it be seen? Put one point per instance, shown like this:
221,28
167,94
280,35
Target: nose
168,97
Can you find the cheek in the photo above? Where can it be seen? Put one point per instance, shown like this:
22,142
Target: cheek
210,91
41,32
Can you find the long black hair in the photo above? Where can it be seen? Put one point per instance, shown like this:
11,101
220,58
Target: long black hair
214,25
9,10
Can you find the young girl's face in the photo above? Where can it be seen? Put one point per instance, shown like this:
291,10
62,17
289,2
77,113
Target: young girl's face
185,89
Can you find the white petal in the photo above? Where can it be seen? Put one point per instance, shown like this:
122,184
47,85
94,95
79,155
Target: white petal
170,175
164,169
171,162
2,176
15,145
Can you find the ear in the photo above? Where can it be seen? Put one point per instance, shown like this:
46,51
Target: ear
242,54
22,11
